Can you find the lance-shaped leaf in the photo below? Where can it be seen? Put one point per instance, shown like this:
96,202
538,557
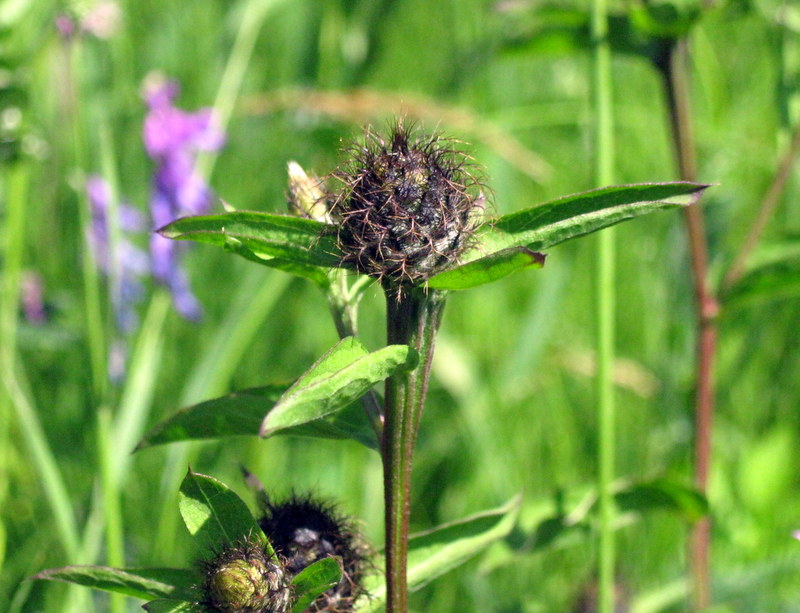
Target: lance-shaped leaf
262,236
317,274
775,278
636,499
241,414
487,269
215,515
435,552
341,376
554,222
313,580
168,605
145,583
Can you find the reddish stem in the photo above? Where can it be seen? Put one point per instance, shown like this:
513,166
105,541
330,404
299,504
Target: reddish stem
677,79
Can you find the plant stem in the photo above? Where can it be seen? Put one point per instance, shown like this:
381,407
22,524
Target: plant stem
343,305
413,316
606,299
677,80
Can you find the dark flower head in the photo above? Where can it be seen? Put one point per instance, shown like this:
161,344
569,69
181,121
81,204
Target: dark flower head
408,205
245,579
304,530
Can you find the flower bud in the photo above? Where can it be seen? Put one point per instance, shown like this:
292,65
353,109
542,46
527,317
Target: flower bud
407,209
306,196
245,579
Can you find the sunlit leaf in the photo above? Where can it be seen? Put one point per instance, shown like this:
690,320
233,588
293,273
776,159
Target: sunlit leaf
488,269
569,217
317,274
313,580
435,552
241,414
172,606
215,515
554,222
145,583
341,376
262,236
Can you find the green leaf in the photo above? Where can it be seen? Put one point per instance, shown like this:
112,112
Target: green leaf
315,579
142,583
554,222
341,376
172,606
262,236
215,515
773,279
562,529
488,269
663,495
580,214
241,414
316,274
435,552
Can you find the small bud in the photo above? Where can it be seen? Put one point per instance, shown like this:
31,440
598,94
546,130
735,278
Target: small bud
306,196
303,530
244,579
407,209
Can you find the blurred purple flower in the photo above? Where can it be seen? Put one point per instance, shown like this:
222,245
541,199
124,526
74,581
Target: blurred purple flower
32,298
796,534
102,20
130,262
173,138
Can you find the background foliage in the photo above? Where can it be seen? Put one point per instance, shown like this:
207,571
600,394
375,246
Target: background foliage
512,404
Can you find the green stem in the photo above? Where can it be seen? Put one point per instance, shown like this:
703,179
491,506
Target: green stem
606,409
235,68
93,303
343,304
413,316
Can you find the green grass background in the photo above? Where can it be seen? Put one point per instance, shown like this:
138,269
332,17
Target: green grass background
511,407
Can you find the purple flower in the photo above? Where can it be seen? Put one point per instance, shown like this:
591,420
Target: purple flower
101,21
173,138
796,534
127,260
32,298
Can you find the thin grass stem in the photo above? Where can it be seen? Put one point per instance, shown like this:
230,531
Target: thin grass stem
112,511
235,68
17,397
606,299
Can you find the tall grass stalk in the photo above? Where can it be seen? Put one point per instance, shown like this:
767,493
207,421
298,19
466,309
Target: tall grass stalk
112,512
93,304
109,483
606,407
17,395
230,84
14,183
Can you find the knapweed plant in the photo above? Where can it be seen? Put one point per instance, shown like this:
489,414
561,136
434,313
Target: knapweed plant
405,210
